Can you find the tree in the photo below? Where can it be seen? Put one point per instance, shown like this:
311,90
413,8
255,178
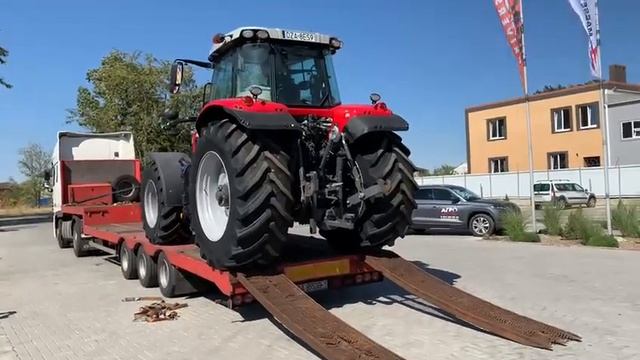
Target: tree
32,164
444,170
129,92
3,59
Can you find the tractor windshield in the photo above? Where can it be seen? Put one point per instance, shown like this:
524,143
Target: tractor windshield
294,75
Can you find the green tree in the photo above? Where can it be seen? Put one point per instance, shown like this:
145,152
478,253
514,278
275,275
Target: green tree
129,92
3,59
444,169
32,164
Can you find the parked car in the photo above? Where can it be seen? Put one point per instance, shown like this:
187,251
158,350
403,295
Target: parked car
458,208
562,193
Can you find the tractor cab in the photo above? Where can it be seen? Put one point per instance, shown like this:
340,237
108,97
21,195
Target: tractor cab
289,67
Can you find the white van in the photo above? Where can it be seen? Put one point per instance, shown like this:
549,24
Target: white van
562,193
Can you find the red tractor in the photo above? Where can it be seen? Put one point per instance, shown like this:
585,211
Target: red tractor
273,145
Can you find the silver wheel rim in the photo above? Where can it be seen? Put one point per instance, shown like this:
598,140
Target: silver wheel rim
142,265
481,225
213,196
151,203
124,259
163,274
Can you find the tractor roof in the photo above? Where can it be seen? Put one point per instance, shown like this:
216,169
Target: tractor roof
222,41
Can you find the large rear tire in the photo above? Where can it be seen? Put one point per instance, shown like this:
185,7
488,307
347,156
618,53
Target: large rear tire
240,197
163,223
384,219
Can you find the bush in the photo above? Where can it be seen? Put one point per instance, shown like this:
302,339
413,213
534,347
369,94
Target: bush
625,219
514,228
551,220
602,240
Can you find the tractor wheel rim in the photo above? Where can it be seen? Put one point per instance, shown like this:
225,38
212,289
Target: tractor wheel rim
213,196
481,225
124,259
151,203
142,266
163,274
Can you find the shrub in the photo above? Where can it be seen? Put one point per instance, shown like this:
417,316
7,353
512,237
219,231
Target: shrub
514,228
602,240
551,220
578,227
625,219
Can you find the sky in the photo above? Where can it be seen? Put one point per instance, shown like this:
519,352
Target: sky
428,59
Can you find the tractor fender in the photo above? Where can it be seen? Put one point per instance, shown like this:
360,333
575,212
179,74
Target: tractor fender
361,125
171,166
253,120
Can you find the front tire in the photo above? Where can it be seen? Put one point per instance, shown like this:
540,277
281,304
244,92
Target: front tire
80,245
481,225
380,156
591,202
239,196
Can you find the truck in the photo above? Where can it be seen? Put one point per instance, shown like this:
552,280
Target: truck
219,217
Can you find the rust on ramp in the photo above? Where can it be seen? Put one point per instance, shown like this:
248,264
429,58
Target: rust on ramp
465,306
329,336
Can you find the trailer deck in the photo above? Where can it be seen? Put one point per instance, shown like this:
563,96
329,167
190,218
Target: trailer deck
282,289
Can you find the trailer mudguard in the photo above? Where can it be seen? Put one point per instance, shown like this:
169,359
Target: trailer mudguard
361,125
253,120
171,167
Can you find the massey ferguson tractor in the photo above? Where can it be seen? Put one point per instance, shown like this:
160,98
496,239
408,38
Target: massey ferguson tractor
274,145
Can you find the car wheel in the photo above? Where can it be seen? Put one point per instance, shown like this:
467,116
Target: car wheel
592,202
481,225
561,203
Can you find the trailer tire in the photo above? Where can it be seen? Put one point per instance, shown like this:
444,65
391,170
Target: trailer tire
163,223
62,242
147,269
380,155
127,262
126,188
240,196
80,245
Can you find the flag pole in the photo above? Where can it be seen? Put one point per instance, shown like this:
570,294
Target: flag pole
534,225
603,109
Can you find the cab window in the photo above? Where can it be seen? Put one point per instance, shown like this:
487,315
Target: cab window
424,194
541,187
442,195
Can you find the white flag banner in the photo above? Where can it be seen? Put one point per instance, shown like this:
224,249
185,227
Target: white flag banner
587,10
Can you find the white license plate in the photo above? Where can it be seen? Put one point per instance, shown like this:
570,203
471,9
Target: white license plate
300,36
315,286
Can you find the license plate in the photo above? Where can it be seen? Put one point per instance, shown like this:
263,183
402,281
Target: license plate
315,286
300,36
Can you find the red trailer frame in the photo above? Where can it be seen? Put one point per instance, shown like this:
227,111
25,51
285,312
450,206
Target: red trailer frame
119,225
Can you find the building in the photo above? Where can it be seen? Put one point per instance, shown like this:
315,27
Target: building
565,125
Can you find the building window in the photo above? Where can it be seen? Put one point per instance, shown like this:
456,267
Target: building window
631,130
497,128
558,160
561,119
592,161
498,165
588,115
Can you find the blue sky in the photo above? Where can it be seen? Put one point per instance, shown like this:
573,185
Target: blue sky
428,59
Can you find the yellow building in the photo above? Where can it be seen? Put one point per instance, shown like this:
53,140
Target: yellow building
565,125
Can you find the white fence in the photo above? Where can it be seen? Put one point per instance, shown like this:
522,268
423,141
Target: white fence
624,181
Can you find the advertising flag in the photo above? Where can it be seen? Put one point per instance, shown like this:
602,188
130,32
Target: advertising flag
587,10
510,14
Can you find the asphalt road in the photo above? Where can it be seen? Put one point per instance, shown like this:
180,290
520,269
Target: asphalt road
54,306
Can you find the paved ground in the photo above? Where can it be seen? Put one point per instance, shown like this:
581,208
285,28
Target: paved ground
54,306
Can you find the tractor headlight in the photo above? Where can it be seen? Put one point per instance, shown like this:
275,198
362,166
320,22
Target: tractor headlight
262,34
247,34
335,43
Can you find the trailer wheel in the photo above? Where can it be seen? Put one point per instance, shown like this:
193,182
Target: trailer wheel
80,245
127,262
62,242
163,223
147,269
240,196
126,188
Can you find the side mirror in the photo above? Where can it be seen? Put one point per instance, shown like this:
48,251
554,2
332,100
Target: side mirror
455,200
175,77
47,175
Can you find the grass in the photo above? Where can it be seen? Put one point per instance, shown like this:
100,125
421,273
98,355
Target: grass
514,228
578,227
625,219
551,220
23,211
